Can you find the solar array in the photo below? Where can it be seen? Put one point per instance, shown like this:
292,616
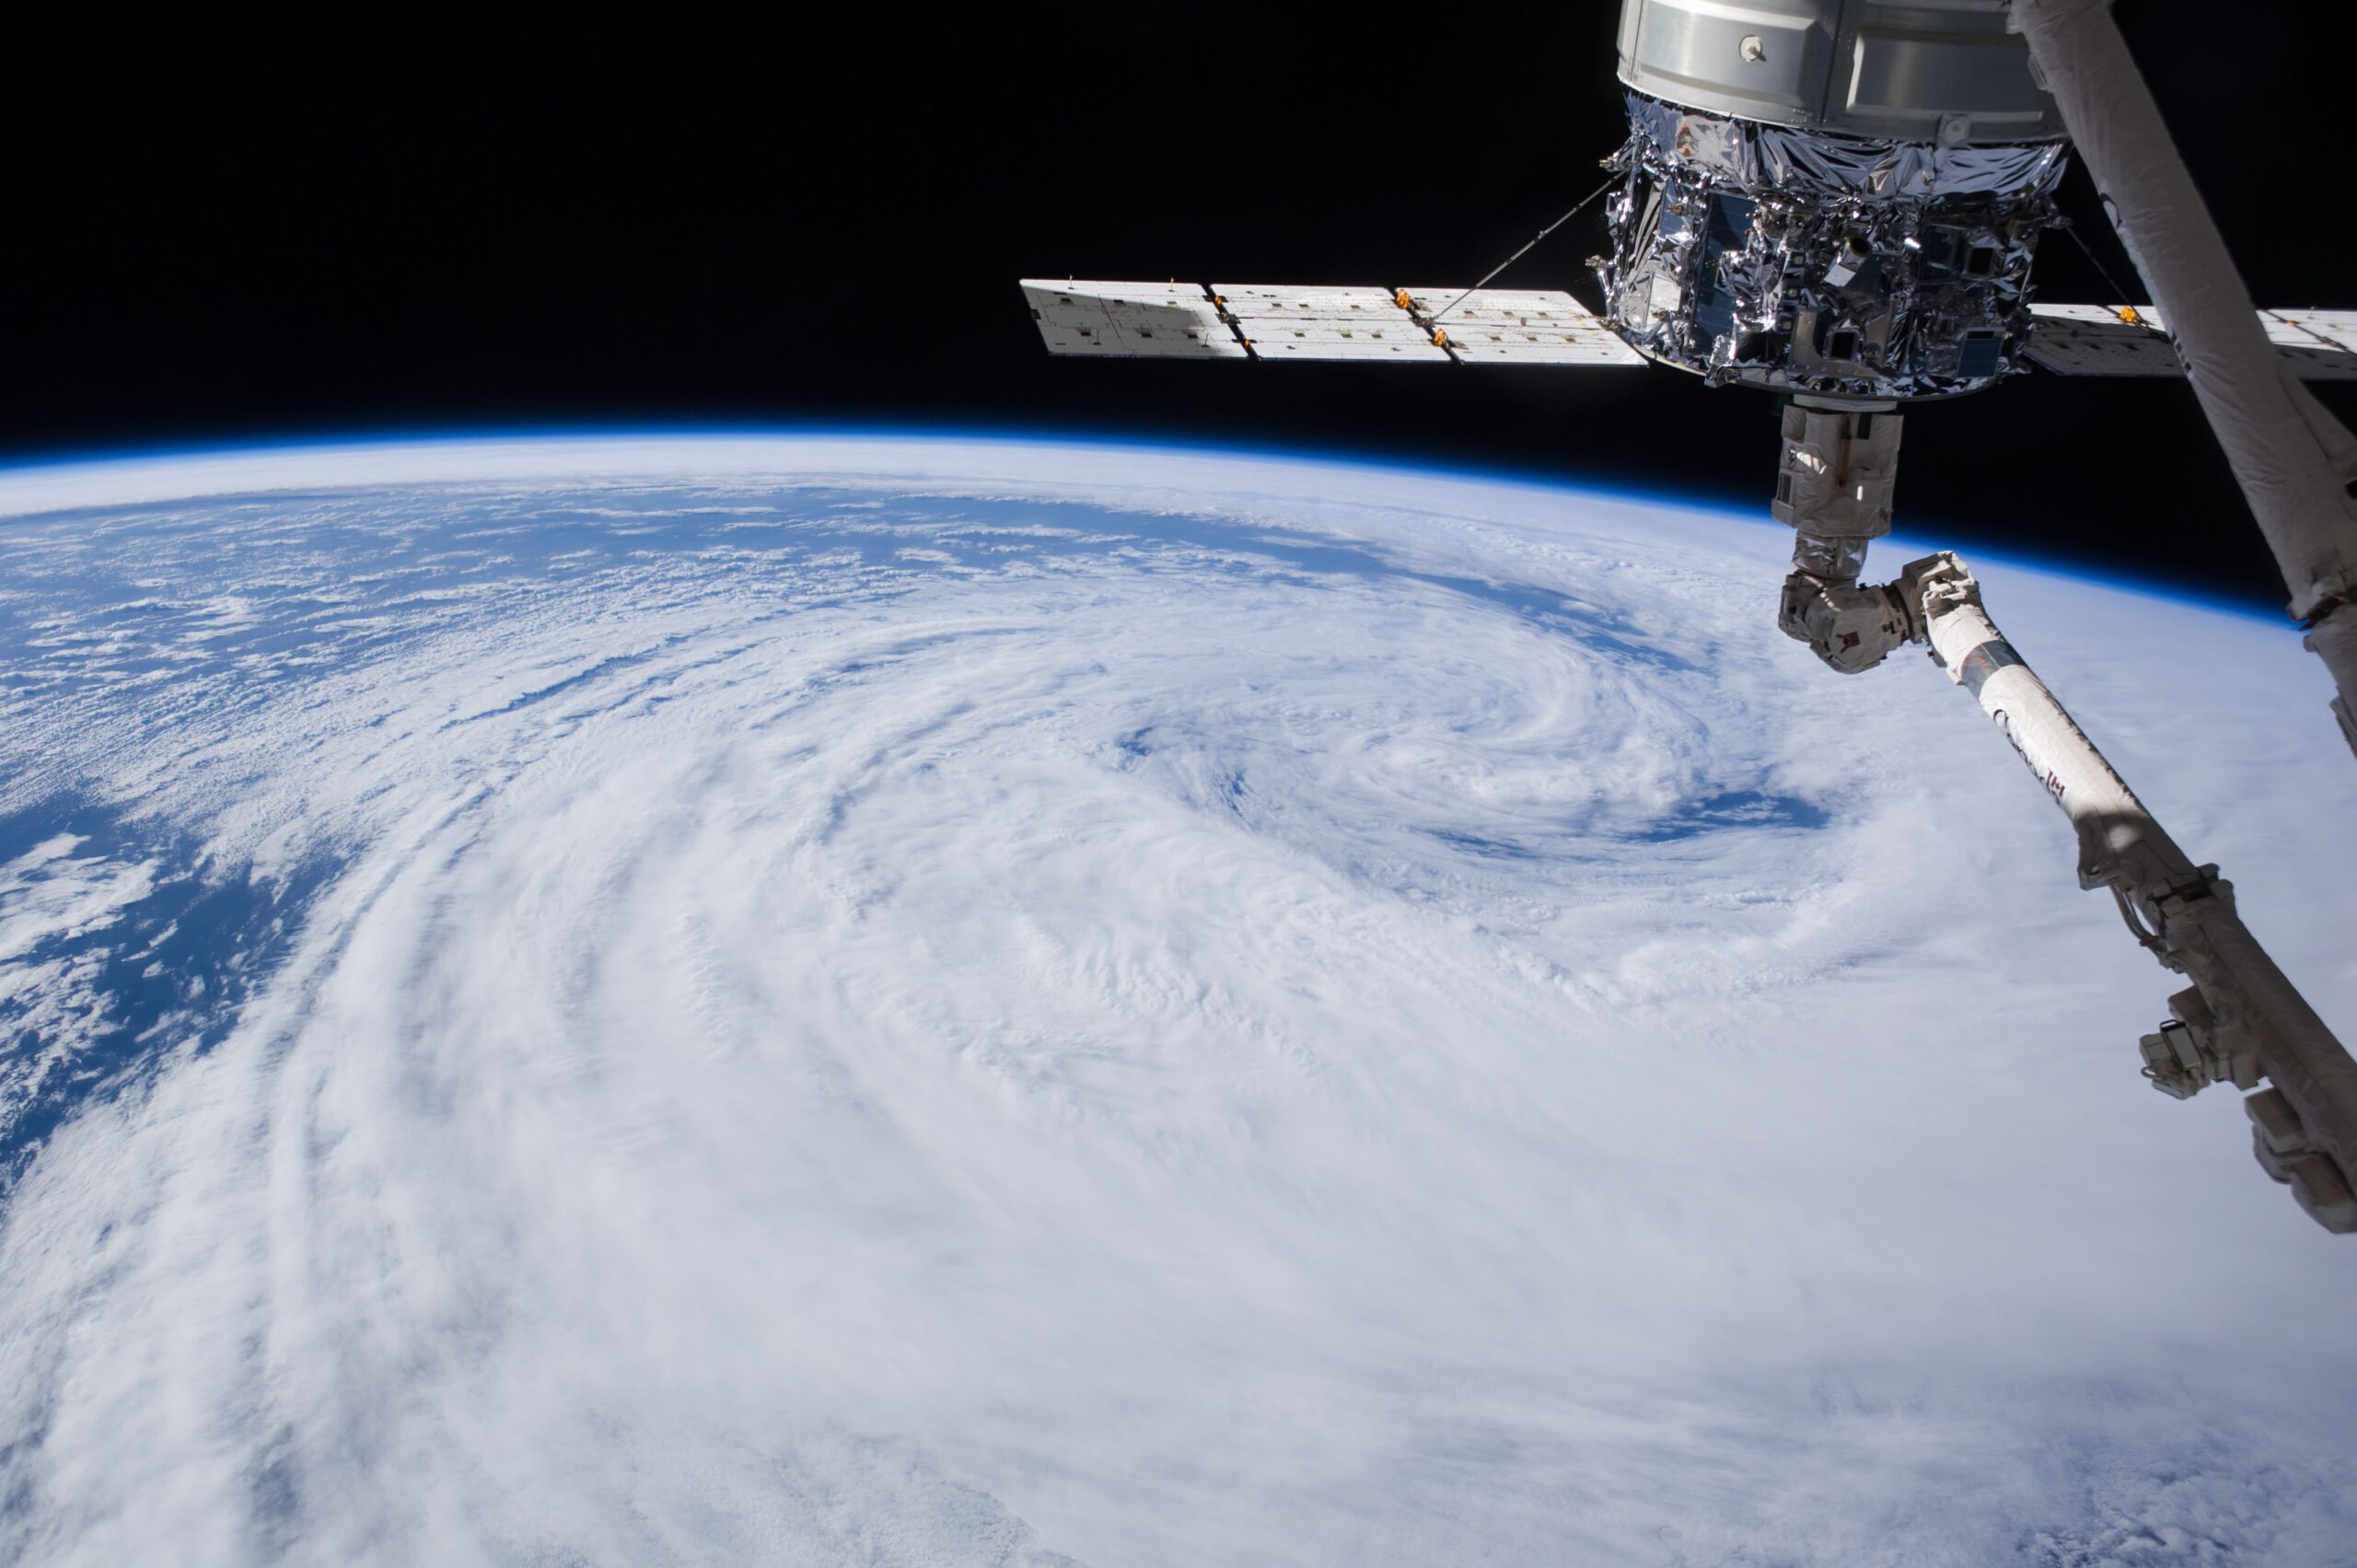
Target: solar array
1130,321
1277,322
1521,326
2114,340
1533,326
1430,326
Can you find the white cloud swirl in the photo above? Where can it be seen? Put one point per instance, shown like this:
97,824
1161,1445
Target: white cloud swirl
862,1002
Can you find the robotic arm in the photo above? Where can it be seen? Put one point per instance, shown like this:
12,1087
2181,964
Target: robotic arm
2240,1021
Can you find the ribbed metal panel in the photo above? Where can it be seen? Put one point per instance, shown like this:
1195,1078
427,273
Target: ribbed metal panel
1944,71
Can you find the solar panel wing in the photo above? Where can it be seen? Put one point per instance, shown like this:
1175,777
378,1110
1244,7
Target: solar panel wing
1297,300
2321,345
1521,326
2337,327
2092,340
1326,322
1130,320
1284,321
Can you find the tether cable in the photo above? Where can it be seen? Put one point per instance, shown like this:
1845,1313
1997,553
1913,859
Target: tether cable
2117,293
1518,255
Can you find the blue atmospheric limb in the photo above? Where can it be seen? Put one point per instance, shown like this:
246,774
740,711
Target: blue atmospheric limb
1950,532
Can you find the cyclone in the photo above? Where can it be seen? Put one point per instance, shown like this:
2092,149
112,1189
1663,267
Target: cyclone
839,999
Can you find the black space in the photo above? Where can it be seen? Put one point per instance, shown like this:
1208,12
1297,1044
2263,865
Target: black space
820,222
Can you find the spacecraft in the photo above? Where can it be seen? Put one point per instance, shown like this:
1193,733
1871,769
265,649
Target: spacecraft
1838,202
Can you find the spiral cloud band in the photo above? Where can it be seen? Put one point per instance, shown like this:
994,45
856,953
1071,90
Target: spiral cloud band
899,1002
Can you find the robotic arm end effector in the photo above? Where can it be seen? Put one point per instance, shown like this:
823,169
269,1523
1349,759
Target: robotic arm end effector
1834,479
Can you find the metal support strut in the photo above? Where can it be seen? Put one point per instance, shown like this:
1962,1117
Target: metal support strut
2294,461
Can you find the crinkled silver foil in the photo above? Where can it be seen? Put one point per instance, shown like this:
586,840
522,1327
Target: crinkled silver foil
1753,154
1838,266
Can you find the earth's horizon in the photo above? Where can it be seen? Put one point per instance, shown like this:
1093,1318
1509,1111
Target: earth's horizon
903,999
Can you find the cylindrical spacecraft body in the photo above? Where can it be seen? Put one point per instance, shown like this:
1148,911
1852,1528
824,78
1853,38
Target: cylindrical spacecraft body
1832,198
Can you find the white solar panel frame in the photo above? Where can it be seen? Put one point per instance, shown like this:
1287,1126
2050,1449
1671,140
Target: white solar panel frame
1327,322
2306,338
2337,328
2099,315
2092,340
2287,331
1522,326
1536,304
1306,299
1408,347
1095,318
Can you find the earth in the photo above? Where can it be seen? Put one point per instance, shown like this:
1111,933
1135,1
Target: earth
848,1000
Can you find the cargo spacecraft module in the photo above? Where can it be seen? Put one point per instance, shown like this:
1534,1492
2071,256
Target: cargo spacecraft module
1839,203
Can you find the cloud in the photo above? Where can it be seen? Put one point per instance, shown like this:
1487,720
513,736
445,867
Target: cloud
1398,1028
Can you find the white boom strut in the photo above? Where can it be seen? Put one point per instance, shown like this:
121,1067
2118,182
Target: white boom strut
2241,1020
2294,461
